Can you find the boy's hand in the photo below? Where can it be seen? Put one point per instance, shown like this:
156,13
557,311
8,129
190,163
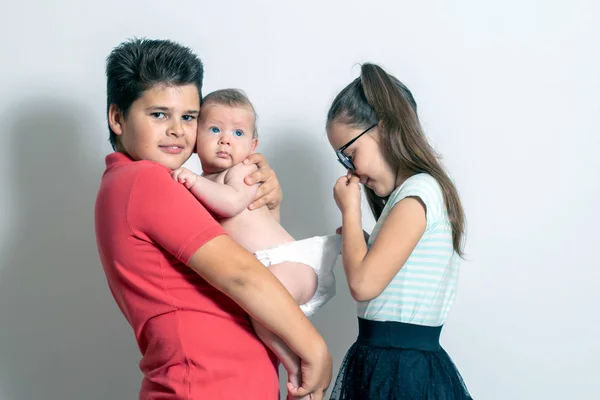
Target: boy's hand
316,376
184,176
269,192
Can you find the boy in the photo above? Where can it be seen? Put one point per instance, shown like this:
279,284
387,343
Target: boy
179,280
227,134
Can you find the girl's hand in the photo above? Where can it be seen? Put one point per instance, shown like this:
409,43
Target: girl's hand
346,193
269,192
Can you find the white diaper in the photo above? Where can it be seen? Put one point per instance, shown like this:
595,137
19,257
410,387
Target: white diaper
318,252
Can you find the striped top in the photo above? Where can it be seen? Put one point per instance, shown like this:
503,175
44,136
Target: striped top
423,291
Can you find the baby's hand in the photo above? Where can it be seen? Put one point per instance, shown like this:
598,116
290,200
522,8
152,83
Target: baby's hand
184,176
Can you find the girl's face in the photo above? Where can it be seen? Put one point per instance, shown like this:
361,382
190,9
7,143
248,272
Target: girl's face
366,156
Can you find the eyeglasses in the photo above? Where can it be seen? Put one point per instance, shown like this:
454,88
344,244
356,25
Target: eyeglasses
345,160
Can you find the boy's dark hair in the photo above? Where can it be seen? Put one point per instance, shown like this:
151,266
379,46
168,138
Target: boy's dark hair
231,98
137,65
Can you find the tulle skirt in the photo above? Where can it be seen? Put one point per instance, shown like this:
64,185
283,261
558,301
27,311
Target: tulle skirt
395,360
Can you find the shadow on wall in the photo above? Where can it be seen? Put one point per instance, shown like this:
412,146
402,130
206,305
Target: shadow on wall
307,202
300,174
61,335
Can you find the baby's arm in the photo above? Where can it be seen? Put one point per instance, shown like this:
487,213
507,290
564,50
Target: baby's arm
226,200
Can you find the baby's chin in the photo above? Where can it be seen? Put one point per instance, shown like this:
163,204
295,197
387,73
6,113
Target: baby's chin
211,167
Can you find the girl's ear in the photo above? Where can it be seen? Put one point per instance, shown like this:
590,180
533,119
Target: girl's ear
254,145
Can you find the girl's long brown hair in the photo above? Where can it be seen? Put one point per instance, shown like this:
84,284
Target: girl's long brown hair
377,97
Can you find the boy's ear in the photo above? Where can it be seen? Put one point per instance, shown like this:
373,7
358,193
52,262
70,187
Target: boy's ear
115,119
254,145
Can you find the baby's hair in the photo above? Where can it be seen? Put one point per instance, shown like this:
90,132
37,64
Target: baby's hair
377,97
231,98
137,65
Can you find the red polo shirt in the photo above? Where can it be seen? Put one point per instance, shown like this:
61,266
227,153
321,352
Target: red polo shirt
196,343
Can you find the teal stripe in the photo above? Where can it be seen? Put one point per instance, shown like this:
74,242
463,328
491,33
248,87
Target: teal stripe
426,263
387,294
409,271
422,254
402,287
431,301
425,246
403,311
408,306
444,222
406,283
409,275
406,310
421,280
435,240
401,304
432,261
407,317
396,301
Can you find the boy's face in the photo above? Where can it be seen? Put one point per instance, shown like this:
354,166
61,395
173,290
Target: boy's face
225,136
160,126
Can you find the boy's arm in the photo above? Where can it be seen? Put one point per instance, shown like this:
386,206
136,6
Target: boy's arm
230,199
162,210
232,270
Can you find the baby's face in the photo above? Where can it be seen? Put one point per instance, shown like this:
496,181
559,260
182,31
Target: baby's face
225,136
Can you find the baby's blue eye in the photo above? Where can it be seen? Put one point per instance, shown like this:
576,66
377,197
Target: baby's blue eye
214,129
238,133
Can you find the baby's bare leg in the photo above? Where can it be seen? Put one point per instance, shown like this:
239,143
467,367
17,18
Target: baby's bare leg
301,282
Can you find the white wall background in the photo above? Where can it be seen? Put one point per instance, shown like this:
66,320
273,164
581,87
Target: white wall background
508,91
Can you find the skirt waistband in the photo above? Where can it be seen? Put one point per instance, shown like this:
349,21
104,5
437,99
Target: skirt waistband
399,334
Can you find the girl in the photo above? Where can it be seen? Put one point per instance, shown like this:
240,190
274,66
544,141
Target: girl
404,279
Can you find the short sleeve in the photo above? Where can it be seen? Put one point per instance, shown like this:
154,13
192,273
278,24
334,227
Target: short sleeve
165,212
426,188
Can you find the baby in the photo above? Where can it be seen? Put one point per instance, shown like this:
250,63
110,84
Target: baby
226,136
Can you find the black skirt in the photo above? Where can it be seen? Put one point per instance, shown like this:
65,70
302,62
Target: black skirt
395,360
